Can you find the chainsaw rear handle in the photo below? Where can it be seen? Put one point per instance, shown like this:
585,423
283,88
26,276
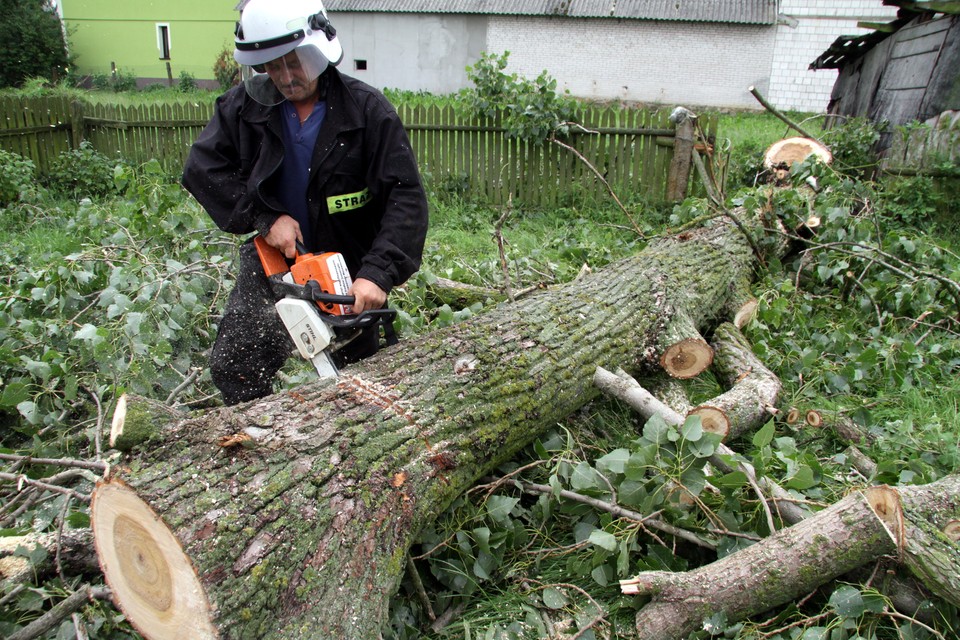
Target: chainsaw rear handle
362,319
311,291
276,266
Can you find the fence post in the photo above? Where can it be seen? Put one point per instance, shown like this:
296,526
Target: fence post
679,176
76,124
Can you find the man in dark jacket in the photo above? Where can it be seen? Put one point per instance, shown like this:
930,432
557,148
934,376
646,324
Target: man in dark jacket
301,153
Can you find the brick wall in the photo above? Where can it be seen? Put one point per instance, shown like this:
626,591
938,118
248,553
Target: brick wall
818,23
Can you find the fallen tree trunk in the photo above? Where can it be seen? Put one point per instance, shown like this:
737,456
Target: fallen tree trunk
73,550
290,517
859,529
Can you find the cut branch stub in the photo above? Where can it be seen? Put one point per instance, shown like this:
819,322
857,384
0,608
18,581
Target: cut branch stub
952,530
687,358
713,419
136,420
885,502
152,580
746,313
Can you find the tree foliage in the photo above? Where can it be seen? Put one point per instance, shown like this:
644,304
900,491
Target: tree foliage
32,42
226,70
529,109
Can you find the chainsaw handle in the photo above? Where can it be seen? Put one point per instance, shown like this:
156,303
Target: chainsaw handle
301,249
363,319
315,293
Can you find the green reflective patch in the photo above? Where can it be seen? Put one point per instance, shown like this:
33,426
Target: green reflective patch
348,201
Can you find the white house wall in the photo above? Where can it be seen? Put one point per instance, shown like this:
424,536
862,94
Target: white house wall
697,64
417,52
672,63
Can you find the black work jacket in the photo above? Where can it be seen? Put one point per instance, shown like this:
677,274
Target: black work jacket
365,198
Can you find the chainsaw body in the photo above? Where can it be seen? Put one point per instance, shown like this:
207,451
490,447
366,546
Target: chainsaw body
315,306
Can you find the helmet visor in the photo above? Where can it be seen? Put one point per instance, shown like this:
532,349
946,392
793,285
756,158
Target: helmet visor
290,77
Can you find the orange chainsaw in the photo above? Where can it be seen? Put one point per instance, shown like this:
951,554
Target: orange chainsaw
314,305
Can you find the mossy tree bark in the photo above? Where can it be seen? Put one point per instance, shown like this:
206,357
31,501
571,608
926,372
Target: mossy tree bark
857,530
295,512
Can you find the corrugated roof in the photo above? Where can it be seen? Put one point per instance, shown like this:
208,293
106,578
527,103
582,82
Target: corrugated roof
733,11
846,49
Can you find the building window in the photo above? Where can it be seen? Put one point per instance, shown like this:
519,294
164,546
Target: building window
163,41
360,65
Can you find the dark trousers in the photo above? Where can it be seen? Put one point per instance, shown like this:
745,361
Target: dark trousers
252,343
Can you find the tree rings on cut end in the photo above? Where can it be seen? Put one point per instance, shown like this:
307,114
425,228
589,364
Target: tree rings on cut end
813,418
687,358
713,419
152,580
952,530
783,153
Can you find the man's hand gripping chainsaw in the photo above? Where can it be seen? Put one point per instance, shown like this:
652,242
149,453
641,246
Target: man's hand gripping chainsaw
315,307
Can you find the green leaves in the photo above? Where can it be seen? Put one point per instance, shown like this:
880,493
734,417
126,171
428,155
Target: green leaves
127,303
528,109
849,602
846,315
554,598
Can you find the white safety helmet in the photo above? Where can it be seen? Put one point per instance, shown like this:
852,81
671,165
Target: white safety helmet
269,30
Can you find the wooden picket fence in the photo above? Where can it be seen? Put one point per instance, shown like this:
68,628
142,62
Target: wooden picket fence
631,149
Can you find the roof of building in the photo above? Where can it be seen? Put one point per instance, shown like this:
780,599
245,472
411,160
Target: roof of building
732,11
848,48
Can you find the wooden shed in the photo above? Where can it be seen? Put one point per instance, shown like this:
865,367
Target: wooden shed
907,70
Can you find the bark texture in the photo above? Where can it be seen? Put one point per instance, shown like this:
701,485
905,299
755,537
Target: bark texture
753,391
859,529
917,524
296,511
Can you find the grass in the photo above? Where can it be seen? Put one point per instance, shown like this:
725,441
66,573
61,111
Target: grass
763,128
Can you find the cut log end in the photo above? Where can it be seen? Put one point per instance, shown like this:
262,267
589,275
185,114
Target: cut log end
119,417
783,153
151,578
885,502
713,419
952,531
746,313
687,359
137,420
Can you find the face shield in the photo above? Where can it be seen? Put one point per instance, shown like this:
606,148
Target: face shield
292,76
280,58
